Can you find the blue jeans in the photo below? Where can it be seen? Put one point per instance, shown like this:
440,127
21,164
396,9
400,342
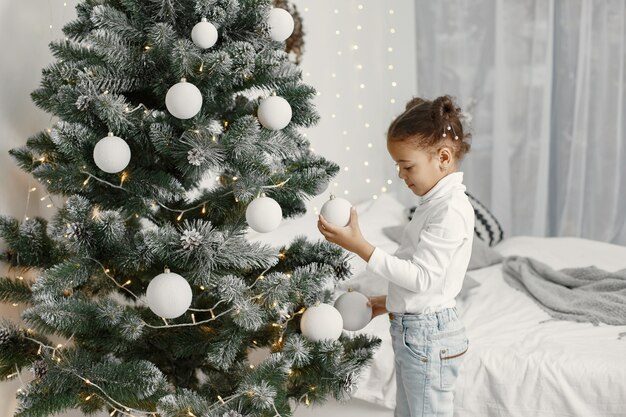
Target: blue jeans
428,348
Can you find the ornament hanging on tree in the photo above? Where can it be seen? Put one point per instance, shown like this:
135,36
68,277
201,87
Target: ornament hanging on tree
274,113
281,24
321,322
183,100
191,239
204,34
336,211
39,368
354,310
111,154
5,336
168,295
264,214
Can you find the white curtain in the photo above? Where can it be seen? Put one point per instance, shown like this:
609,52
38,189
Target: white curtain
544,83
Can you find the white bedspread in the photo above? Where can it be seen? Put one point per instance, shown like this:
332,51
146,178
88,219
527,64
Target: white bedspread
520,363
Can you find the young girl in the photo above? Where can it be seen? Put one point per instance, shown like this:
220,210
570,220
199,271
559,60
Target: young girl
426,272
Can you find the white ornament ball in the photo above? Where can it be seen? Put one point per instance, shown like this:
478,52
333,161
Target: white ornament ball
169,295
281,24
204,34
337,211
264,214
354,310
274,113
321,322
111,154
183,100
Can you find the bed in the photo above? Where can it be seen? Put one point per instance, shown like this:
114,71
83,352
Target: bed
520,362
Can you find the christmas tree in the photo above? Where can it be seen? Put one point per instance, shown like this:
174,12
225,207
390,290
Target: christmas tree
177,130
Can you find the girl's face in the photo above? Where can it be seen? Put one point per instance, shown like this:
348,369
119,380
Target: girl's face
419,169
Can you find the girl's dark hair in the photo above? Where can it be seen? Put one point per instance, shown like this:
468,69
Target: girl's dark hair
425,122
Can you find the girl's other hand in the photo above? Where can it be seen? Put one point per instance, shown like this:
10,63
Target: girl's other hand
378,304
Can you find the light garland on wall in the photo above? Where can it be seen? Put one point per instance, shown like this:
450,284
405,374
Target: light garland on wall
349,48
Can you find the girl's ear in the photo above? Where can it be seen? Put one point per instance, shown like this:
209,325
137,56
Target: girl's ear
445,158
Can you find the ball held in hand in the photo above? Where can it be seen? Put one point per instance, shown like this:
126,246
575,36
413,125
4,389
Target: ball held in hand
336,211
111,154
321,322
355,312
169,295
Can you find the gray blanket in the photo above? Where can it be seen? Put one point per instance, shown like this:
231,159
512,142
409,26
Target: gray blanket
586,294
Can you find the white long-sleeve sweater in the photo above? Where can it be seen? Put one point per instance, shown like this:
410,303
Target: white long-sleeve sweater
426,272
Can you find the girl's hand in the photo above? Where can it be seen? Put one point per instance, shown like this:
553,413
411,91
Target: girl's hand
377,303
348,237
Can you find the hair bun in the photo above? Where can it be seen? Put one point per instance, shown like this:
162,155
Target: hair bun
414,102
443,110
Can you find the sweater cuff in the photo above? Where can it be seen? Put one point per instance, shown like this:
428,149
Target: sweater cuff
376,262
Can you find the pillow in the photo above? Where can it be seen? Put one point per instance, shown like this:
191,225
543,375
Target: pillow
482,255
486,226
